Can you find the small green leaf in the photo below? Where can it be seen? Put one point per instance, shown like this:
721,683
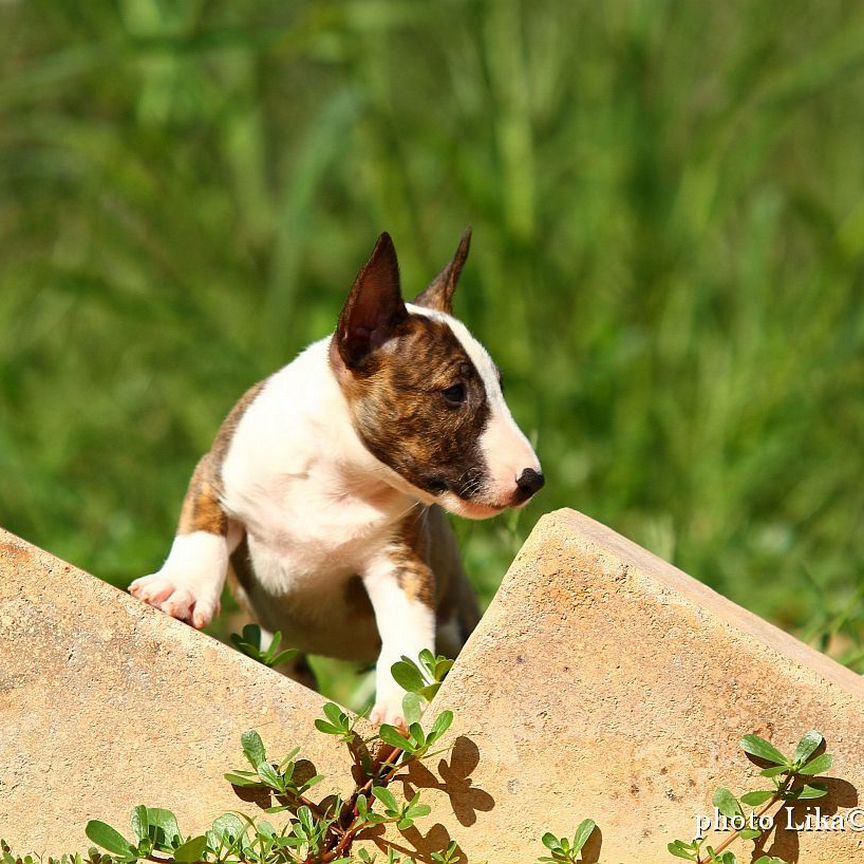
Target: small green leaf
442,723
415,730
550,841
109,838
750,833
163,828
427,658
140,822
407,676
583,832
242,779
385,796
809,793
727,803
312,781
774,771
334,714
270,776
282,657
253,748
754,799
762,749
412,707
389,735
252,635
680,850
327,728
817,765
807,746
191,850
228,828
442,667
275,642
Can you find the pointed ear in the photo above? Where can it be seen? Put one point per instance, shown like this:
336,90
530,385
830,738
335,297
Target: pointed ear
374,307
439,294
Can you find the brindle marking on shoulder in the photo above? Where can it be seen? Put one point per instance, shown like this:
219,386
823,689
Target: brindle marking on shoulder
403,419
202,510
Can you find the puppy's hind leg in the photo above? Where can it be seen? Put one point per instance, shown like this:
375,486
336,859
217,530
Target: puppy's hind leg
189,584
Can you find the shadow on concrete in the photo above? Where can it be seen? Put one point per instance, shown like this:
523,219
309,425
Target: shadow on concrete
455,781
783,840
417,845
591,850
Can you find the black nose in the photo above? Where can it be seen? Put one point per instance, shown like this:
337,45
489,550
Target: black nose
529,483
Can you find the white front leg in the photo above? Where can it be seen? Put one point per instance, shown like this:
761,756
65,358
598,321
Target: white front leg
406,625
189,585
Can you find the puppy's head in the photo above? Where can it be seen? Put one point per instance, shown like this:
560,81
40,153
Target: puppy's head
424,395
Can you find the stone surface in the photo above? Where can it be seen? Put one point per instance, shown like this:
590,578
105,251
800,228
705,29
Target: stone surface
106,703
603,682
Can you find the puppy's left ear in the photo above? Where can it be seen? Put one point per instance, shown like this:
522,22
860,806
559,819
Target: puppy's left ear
374,308
439,294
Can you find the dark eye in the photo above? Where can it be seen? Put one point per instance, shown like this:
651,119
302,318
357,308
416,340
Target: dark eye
454,395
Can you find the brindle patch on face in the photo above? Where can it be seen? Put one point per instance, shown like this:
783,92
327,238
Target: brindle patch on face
402,417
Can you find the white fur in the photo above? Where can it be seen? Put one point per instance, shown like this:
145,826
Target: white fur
406,627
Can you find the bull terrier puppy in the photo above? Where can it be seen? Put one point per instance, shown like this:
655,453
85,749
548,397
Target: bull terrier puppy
325,489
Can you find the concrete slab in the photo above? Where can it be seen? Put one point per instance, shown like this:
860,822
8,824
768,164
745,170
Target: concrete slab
605,683
106,703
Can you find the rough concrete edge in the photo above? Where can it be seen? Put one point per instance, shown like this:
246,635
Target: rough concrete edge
187,636
569,526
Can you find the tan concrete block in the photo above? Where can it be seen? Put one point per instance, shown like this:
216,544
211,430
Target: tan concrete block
604,683
106,703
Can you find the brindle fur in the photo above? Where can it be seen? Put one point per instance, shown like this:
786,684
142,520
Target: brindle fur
401,416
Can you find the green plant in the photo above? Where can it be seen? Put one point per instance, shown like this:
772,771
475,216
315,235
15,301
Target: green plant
567,851
250,644
789,781
314,832
311,832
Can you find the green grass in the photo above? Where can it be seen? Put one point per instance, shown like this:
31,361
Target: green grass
668,205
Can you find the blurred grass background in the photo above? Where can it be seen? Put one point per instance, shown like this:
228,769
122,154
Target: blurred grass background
668,206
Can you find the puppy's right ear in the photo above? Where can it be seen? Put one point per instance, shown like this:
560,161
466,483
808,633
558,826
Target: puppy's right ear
439,295
374,308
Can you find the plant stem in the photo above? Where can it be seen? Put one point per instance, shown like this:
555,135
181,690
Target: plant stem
778,796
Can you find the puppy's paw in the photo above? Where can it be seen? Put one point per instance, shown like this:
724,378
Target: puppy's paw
179,598
390,711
